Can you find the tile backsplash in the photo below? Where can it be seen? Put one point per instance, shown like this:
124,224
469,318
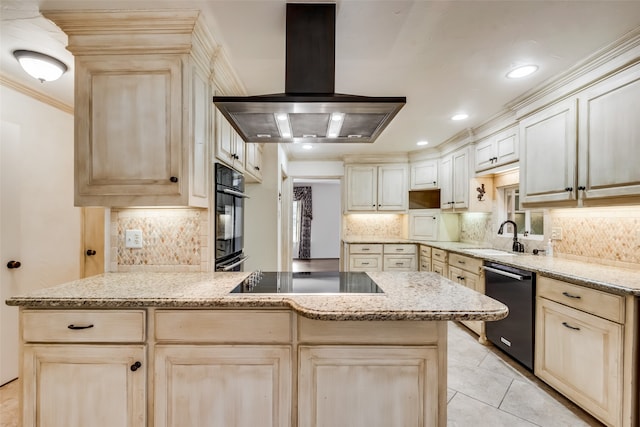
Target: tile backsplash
378,225
173,240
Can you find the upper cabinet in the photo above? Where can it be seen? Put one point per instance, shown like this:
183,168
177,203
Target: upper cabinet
253,163
584,149
373,188
497,150
454,180
142,107
230,148
424,175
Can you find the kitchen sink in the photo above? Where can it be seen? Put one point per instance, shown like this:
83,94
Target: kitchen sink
488,252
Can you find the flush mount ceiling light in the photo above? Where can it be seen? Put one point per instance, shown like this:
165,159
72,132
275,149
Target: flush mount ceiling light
307,146
421,143
522,71
459,116
40,66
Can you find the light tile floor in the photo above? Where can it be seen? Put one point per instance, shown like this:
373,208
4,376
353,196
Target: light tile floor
486,389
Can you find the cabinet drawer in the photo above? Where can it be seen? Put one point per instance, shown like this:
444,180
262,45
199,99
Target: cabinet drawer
472,265
365,263
399,263
425,251
438,255
223,326
425,264
600,303
399,249
83,326
438,267
365,249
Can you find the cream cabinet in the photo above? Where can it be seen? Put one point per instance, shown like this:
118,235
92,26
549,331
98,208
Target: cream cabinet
253,162
142,107
364,257
399,257
230,148
425,258
424,175
84,367
439,262
454,180
579,346
583,150
496,150
423,224
371,188
467,271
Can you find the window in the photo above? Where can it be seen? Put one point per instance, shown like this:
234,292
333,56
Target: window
529,222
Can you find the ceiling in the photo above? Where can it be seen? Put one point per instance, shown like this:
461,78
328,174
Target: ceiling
444,56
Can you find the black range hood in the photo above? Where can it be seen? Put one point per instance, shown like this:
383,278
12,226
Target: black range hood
309,110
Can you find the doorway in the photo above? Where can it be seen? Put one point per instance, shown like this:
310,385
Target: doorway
316,224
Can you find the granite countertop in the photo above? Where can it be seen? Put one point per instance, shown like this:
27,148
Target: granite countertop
407,296
622,281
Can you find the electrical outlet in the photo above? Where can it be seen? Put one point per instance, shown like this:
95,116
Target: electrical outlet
556,233
133,239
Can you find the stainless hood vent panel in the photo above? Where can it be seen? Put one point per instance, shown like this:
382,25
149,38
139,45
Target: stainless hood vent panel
307,113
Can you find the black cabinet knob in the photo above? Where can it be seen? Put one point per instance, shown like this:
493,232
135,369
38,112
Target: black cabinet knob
582,188
90,252
568,189
173,179
257,168
135,366
13,264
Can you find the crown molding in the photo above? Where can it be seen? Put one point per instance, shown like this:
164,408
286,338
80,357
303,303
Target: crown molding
377,158
32,93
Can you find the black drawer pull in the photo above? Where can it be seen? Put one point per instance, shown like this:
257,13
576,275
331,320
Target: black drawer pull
399,263
366,249
568,295
74,327
461,262
135,366
365,263
566,325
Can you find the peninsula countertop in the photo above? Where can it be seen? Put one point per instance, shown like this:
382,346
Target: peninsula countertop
622,281
407,296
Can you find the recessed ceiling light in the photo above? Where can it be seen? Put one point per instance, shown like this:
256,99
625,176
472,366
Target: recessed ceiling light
307,146
522,71
282,117
460,116
422,143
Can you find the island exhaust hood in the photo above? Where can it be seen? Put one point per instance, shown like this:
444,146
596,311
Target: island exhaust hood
309,110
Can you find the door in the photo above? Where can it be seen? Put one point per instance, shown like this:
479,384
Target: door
39,226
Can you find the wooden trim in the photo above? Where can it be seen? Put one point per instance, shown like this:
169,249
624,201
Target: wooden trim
35,94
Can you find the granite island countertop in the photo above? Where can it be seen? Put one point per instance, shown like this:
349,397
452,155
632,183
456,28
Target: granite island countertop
407,296
621,281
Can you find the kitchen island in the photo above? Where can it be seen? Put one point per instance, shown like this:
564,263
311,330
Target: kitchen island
177,349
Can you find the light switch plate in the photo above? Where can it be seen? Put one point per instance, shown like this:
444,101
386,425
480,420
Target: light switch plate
556,233
133,239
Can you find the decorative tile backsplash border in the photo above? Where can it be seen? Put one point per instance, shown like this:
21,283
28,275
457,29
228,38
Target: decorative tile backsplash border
173,240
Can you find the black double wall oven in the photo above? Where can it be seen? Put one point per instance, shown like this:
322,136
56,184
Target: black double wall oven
229,219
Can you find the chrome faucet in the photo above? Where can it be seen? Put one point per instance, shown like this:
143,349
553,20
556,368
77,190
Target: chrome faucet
517,246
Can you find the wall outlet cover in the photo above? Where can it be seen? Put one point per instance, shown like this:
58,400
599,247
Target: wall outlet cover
556,233
133,239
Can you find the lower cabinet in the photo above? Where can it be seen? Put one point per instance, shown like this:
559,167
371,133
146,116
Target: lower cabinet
76,385
468,272
425,258
381,257
221,386
362,386
365,257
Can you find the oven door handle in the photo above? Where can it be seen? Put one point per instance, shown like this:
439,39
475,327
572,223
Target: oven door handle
235,193
503,273
235,264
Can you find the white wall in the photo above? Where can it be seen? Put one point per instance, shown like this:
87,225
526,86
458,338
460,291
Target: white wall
325,225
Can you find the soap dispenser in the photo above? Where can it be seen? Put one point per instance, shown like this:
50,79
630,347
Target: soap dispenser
549,250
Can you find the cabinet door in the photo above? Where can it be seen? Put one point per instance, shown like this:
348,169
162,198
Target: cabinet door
221,386
424,175
460,183
580,355
392,188
438,267
362,188
365,262
224,139
446,183
548,144
506,147
610,138
129,128
485,153
200,138
253,164
238,148
362,386
423,226
84,385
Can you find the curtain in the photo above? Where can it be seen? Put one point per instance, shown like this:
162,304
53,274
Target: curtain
303,196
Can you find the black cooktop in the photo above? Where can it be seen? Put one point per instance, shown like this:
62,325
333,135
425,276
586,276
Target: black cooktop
333,282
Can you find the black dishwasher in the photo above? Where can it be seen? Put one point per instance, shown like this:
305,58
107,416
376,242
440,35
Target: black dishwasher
516,289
